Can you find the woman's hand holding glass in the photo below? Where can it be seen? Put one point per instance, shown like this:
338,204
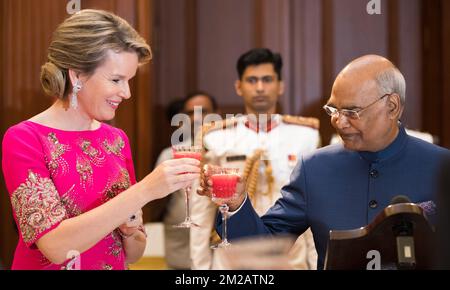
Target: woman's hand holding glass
170,176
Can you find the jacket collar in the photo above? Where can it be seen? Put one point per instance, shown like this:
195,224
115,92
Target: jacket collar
264,127
390,151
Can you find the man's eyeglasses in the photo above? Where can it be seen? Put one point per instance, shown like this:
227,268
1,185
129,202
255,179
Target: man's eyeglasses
351,114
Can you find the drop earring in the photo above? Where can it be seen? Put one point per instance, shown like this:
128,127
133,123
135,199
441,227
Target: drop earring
74,97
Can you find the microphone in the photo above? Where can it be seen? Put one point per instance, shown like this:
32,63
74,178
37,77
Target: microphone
400,199
403,231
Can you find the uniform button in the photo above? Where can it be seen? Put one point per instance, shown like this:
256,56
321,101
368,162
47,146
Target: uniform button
373,204
374,173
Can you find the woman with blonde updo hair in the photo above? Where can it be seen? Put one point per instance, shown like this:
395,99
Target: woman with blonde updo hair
69,175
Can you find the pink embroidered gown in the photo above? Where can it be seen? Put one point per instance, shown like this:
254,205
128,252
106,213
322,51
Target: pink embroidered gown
53,175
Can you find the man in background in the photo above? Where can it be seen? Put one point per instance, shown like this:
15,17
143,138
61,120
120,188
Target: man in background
264,145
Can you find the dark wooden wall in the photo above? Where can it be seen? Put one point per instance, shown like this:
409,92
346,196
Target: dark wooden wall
436,69
196,44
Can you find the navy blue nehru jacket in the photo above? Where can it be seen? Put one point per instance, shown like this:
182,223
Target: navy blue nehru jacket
337,189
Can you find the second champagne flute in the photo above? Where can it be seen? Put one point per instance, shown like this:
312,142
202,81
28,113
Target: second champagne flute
187,152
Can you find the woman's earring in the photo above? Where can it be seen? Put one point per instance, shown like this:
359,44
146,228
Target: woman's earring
74,97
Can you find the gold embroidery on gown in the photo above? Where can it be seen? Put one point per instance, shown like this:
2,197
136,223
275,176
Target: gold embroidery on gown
107,267
67,200
115,148
37,205
116,186
95,156
86,173
116,247
56,151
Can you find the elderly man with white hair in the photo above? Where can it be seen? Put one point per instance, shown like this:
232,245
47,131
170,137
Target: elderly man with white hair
344,186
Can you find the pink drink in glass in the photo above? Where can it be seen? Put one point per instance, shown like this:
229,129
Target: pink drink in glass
224,185
224,182
187,154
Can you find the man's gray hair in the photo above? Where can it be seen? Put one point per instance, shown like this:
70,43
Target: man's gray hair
391,81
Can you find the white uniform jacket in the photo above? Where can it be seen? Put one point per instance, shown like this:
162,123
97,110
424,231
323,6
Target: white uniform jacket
283,143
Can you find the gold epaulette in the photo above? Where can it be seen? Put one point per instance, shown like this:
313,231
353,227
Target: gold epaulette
302,121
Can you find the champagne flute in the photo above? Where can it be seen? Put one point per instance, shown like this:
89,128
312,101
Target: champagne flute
181,151
224,182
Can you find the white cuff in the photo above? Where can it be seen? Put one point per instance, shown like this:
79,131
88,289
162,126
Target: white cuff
232,213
